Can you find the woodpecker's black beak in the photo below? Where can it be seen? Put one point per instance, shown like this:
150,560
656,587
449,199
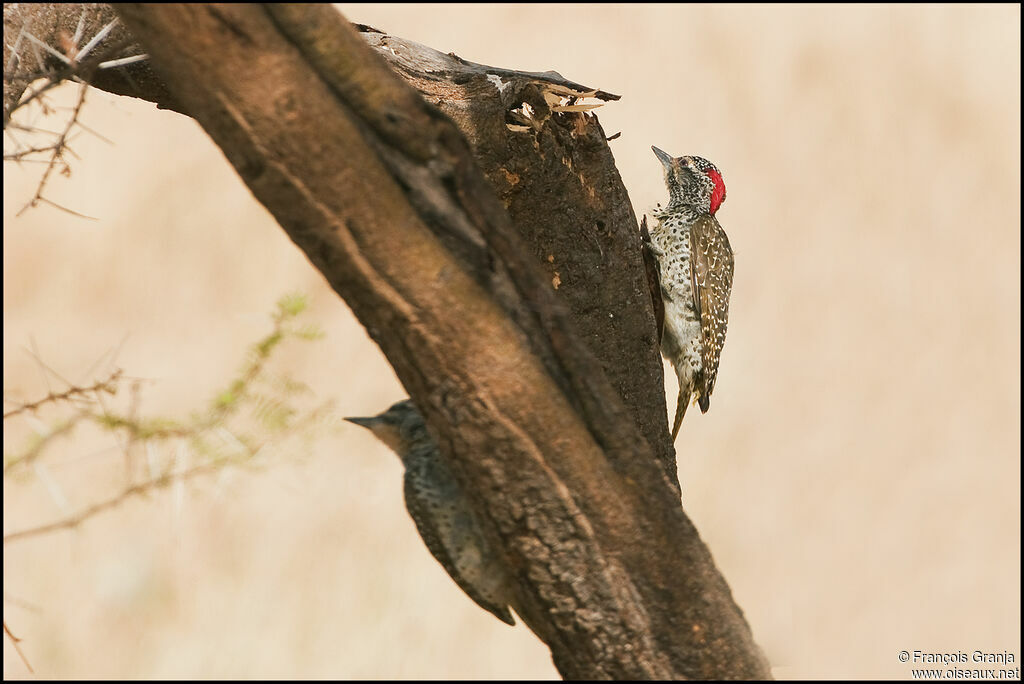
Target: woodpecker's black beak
664,157
367,423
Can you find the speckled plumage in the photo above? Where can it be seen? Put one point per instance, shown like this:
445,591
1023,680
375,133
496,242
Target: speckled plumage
695,262
443,516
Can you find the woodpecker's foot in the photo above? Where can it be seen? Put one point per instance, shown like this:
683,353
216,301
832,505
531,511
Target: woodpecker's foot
645,239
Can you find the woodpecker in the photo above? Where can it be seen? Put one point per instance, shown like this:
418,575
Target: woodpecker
695,265
442,514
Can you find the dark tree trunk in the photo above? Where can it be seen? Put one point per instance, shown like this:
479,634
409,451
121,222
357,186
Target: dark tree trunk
502,278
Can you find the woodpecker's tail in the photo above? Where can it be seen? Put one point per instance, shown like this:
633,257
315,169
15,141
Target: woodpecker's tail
681,403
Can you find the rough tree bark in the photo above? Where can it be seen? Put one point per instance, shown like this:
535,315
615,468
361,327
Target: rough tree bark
503,280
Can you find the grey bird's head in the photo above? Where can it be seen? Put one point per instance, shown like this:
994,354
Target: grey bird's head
400,427
692,181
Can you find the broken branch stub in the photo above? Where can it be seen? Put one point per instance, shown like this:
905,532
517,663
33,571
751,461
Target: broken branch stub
556,176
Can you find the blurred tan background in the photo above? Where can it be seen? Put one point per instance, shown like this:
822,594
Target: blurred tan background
857,480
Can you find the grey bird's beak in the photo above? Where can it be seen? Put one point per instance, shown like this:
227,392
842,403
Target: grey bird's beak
664,157
367,423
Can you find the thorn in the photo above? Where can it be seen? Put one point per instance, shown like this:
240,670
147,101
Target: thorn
14,52
110,64
81,26
39,43
97,38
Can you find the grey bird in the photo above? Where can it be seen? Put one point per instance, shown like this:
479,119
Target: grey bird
445,520
695,268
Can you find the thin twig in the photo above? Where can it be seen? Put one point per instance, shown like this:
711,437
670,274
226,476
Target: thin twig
66,209
102,137
132,440
135,490
21,154
109,385
37,448
58,157
52,82
14,642
22,603
46,371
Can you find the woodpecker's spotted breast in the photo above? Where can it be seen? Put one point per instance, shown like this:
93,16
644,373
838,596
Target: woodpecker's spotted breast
441,511
696,269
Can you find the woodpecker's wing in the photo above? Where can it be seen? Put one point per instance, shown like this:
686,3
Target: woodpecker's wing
653,270
711,272
434,539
